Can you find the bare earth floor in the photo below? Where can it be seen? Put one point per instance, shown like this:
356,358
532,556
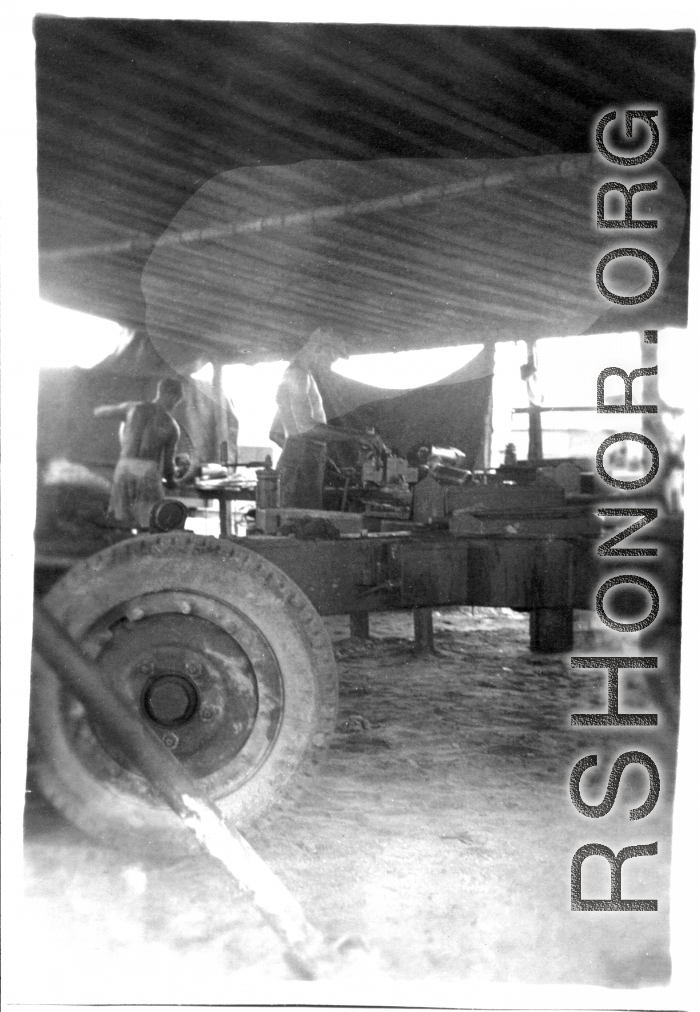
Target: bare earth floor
438,827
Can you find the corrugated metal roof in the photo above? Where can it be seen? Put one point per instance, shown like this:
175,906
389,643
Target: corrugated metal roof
136,118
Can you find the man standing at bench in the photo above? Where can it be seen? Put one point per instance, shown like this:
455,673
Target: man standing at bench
148,436
302,417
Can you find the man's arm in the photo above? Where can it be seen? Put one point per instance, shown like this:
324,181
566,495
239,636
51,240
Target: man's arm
276,433
333,434
113,410
313,423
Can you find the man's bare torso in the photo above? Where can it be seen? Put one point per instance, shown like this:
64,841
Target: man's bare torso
147,430
299,402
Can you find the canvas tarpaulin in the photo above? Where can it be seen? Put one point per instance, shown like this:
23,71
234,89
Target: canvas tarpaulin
134,117
455,411
68,397
404,253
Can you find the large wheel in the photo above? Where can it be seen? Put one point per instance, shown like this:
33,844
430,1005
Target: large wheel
218,650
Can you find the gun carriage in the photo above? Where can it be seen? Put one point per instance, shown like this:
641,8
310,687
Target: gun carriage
219,644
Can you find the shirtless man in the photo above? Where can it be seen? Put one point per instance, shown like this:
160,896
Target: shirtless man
148,436
300,413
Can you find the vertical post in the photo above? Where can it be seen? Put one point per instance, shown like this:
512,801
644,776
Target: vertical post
534,443
224,514
359,625
551,630
552,590
482,460
529,373
424,643
220,403
652,423
650,384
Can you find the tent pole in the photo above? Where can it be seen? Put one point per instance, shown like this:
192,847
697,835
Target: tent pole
529,374
221,419
485,450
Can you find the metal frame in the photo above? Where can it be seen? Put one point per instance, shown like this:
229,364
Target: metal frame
547,576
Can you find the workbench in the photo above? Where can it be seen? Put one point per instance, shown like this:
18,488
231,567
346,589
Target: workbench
224,495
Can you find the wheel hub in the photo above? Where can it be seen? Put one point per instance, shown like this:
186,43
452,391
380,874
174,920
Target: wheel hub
200,634
170,700
199,674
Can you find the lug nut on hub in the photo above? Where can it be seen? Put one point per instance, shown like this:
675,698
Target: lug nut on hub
170,740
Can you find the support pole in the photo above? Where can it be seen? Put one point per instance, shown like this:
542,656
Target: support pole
551,630
221,413
224,515
424,644
552,615
534,442
54,652
482,460
359,625
529,373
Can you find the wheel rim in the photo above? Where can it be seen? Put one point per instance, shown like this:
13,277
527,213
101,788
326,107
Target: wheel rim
199,673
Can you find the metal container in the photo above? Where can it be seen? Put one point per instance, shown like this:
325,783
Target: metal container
448,475
267,494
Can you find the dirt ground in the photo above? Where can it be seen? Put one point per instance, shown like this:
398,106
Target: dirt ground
438,828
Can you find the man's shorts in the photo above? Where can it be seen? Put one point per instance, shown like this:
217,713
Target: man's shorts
136,488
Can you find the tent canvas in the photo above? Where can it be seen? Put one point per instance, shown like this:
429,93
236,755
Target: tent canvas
68,397
397,254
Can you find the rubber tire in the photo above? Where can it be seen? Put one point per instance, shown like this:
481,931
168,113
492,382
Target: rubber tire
269,599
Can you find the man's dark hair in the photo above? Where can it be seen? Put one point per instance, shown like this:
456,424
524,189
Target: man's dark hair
170,387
